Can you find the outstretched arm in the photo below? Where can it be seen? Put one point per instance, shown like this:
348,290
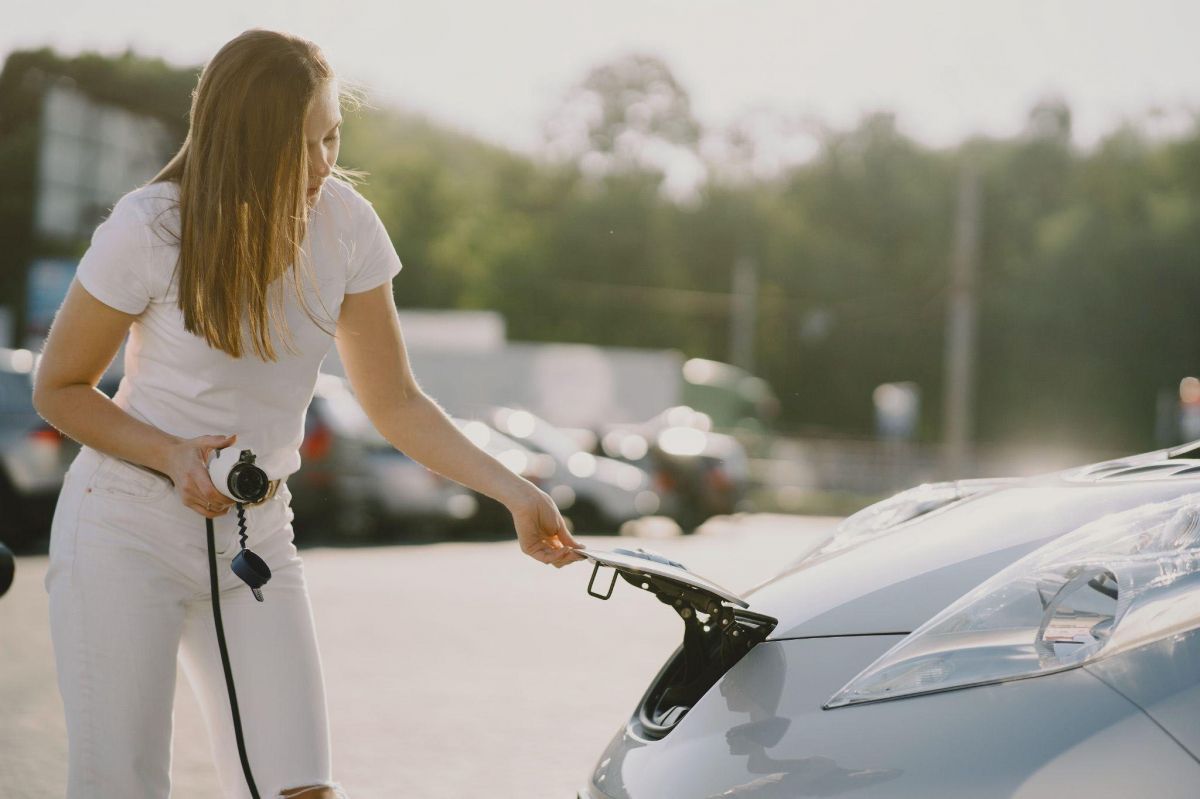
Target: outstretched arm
372,351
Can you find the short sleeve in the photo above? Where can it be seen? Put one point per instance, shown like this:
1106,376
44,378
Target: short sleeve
113,270
374,260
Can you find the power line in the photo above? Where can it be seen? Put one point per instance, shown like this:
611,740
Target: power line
888,303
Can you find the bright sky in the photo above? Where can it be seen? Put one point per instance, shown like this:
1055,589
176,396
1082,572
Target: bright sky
948,69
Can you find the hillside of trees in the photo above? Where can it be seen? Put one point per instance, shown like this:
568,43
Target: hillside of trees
1088,262
1088,265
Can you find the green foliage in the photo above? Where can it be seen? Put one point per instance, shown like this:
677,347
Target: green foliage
622,106
1087,268
1089,260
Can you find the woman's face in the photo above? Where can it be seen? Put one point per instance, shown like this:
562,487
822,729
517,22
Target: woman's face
322,138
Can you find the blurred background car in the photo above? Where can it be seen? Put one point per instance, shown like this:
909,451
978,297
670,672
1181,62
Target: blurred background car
353,484
33,455
703,473
493,519
598,493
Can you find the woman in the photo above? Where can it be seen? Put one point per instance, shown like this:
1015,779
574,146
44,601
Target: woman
194,265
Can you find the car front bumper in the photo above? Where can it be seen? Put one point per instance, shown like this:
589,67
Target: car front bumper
761,732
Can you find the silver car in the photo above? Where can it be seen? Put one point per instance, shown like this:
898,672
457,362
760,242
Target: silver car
1028,638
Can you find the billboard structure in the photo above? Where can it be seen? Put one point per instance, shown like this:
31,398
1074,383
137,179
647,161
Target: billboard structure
90,154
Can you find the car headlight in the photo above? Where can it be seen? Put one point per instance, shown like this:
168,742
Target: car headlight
887,516
1119,582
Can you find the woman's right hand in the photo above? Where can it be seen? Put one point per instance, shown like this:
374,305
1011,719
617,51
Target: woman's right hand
187,466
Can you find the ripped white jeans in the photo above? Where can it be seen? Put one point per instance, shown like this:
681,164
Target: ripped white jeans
129,593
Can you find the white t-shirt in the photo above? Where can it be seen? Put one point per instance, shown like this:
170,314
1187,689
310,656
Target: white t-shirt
173,379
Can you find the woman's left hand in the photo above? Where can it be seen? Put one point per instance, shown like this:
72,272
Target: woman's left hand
542,533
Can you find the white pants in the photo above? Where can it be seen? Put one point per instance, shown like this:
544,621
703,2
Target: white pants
129,593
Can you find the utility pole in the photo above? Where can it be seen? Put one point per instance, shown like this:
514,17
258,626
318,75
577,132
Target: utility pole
961,325
743,302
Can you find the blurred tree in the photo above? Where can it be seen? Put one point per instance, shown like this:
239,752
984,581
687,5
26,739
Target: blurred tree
1089,260
626,115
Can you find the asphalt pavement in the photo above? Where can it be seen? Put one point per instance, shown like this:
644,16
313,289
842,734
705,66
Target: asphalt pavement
452,669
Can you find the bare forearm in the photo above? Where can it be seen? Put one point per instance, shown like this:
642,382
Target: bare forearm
421,430
88,416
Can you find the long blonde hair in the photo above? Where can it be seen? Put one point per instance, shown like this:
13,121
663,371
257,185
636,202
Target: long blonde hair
243,184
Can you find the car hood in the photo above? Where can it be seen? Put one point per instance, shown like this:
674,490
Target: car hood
894,583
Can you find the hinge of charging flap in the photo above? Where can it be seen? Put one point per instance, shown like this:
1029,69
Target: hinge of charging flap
686,601
738,624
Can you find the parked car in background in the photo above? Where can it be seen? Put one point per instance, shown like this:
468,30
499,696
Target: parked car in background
415,502
332,492
986,638
354,484
493,518
703,473
33,455
598,493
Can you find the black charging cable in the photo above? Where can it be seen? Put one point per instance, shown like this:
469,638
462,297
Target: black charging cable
244,483
216,603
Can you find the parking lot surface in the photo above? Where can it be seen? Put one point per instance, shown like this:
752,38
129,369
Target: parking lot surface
452,669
